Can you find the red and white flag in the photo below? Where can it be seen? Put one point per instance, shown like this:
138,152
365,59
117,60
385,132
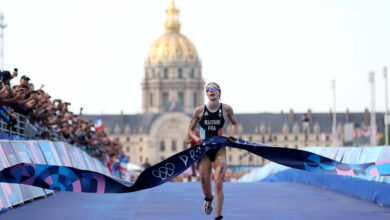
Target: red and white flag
99,124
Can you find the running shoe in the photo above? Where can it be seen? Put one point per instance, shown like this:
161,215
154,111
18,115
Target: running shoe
208,205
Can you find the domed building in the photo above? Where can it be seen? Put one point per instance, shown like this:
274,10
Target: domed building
173,76
173,86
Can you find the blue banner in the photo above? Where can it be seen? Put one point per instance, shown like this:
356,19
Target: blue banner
75,180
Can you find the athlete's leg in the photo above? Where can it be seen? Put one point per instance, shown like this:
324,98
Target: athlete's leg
220,170
205,175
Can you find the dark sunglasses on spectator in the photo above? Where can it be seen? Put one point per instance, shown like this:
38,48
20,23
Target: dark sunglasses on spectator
211,88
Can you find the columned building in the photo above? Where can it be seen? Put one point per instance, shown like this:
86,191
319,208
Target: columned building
173,76
173,86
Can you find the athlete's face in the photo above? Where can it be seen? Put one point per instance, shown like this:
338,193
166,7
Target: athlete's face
212,92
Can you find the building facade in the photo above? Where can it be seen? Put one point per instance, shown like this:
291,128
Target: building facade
173,86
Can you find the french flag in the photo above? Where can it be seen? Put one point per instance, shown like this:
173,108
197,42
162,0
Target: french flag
99,124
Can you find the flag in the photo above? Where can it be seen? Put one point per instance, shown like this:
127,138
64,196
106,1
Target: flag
107,161
98,124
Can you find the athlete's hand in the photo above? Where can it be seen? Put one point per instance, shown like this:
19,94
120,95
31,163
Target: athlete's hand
198,141
232,139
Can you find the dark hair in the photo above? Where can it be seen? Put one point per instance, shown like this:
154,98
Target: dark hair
6,75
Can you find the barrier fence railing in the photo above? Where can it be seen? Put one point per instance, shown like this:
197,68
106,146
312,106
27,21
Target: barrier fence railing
24,128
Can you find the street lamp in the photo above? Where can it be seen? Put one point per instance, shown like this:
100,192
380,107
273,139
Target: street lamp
334,113
372,119
387,109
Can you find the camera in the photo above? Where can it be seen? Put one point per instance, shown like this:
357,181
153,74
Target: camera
21,90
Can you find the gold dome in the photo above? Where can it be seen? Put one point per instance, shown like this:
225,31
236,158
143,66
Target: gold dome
172,46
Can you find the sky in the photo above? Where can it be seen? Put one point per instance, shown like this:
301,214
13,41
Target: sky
267,55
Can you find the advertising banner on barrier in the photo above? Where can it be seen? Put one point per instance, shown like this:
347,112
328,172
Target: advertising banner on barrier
37,157
352,155
385,155
340,153
28,193
76,157
50,153
62,153
100,166
88,160
10,193
24,155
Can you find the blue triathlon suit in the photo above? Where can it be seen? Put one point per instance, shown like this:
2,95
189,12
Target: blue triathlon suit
211,124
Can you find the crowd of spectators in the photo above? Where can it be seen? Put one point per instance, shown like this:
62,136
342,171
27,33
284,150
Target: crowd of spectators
51,116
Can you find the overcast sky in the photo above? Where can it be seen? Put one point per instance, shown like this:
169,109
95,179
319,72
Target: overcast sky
267,56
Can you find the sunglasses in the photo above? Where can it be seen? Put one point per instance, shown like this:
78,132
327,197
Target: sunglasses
211,88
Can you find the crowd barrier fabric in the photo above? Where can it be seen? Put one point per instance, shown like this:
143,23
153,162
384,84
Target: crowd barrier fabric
13,159
62,153
71,179
100,166
10,193
385,154
50,153
88,160
76,158
24,155
37,156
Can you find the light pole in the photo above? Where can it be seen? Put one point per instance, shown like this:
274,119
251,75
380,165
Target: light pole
387,109
372,119
2,27
334,113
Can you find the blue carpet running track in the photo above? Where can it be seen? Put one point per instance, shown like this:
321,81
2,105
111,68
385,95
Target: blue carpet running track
173,201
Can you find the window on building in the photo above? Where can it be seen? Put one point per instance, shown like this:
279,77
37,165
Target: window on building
180,99
262,139
180,73
165,73
270,138
317,138
128,139
140,139
127,149
327,137
192,74
151,99
162,146
165,100
140,159
173,145
230,158
286,138
140,149
117,139
250,158
296,138
275,138
250,138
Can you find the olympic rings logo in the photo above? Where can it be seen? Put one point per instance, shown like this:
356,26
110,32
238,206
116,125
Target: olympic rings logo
164,172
